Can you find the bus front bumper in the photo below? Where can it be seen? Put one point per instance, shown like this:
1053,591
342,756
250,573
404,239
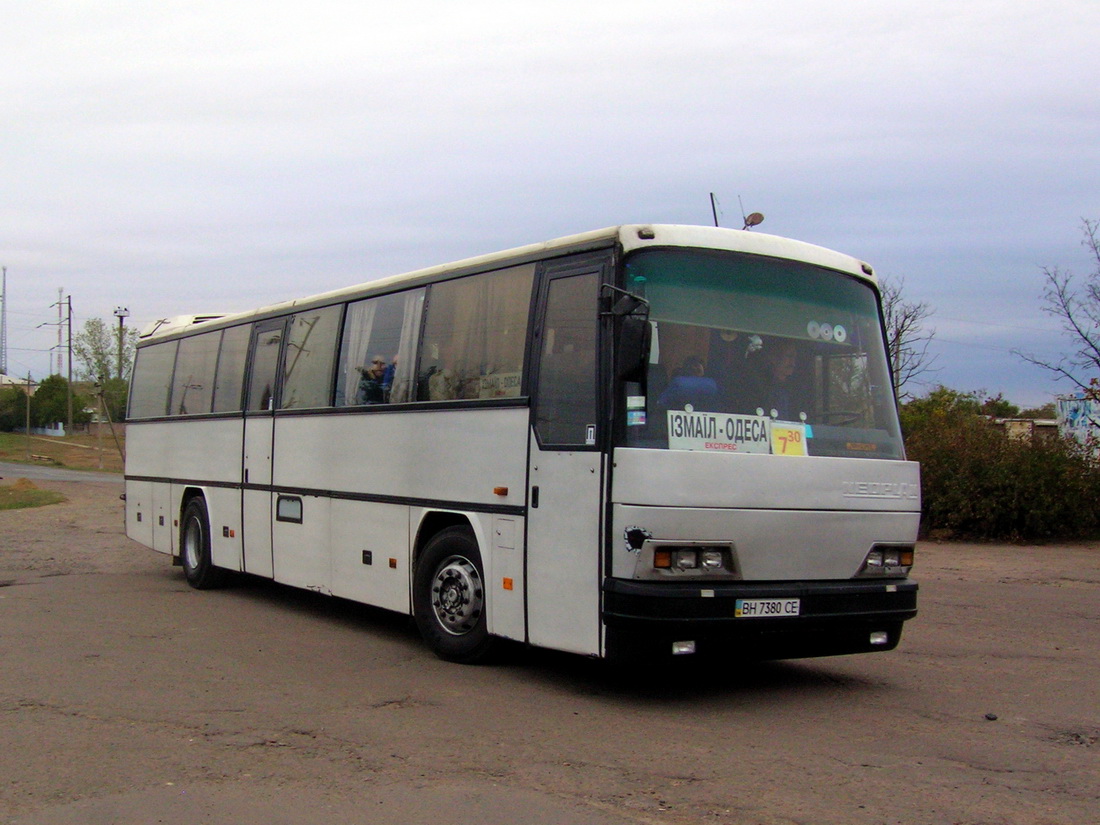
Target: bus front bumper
652,620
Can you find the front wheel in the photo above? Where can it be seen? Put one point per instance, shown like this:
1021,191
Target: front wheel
449,597
195,555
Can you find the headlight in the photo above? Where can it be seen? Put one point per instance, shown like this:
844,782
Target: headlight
693,560
888,560
685,559
712,559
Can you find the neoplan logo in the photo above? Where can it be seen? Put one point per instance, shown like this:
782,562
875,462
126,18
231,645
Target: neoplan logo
881,489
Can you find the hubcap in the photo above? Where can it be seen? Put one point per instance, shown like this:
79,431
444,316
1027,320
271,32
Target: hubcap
457,595
192,544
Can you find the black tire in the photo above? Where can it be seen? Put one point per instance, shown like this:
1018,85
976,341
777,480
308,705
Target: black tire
449,597
195,557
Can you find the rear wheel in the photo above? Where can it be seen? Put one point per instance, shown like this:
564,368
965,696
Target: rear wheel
195,555
449,597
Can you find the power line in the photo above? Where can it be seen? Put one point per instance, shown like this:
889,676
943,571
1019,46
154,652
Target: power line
936,316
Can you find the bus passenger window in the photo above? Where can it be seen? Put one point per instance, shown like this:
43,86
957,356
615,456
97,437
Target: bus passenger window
229,378
378,349
193,386
152,380
475,335
310,353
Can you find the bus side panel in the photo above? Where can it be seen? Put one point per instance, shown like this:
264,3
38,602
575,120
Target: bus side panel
301,538
451,456
456,460
176,455
139,512
370,553
223,506
163,517
196,451
504,577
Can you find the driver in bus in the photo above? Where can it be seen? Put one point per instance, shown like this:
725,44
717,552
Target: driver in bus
771,386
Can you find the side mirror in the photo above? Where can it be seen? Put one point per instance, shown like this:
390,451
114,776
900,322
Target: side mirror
632,333
632,348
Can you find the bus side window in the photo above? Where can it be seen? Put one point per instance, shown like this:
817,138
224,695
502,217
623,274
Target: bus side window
385,330
152,382
566,405
310,354
229,378
193,385
475,335
264,365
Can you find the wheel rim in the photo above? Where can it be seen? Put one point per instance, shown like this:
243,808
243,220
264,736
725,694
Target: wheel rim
192,544
457,595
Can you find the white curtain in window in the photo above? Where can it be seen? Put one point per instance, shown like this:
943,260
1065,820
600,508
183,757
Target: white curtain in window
356,338
406,349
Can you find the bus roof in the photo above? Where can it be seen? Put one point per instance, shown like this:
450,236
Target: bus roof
629,236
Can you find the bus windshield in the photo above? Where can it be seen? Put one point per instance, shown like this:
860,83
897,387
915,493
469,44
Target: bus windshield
758,354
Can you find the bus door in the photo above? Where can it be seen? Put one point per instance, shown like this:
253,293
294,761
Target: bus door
259,431
566,466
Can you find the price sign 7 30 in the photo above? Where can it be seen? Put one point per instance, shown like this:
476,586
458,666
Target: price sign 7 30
788,439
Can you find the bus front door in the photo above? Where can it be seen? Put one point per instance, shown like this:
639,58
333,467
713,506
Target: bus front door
566,469
259,434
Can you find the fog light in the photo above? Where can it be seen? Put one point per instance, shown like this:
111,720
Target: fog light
683,648
879,637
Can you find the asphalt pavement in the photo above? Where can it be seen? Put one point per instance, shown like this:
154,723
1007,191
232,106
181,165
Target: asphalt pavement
10,471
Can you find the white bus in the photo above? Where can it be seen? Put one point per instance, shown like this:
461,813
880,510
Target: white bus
642,441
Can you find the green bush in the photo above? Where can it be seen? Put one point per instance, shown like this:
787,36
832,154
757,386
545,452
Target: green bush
977,483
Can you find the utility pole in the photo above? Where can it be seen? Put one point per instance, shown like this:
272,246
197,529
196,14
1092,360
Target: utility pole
60,300
69,425
4,323
121,313
28,430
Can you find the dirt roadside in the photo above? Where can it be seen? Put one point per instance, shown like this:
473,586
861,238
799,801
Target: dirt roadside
127,697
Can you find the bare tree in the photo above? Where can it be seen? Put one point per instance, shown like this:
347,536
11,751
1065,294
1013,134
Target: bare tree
907,337
1077,308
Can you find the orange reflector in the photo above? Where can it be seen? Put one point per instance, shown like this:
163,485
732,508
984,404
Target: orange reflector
232,534
906,558
500,491
662,558
393,564
507,583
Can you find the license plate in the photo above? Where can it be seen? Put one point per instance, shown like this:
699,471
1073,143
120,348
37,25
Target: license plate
766,608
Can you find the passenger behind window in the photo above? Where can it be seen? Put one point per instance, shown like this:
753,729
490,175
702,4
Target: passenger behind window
772,385
690,385
372,389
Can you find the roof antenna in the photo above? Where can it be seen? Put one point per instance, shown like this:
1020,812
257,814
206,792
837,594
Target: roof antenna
714,208
752,219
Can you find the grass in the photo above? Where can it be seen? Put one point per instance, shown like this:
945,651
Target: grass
23,494
75,452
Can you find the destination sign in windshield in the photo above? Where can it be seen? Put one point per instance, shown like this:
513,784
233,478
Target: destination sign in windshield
718,432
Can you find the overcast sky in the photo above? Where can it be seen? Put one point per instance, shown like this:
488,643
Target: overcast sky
188,157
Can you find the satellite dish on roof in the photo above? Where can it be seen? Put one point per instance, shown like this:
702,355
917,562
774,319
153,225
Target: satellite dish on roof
753,219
